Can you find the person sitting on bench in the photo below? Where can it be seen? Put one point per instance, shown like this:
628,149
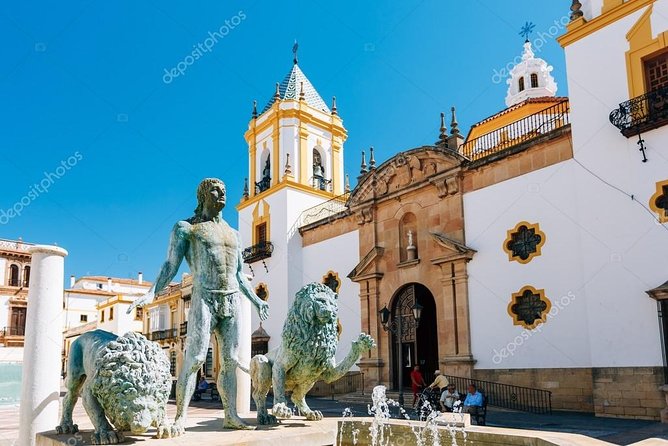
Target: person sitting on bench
202,387
473,402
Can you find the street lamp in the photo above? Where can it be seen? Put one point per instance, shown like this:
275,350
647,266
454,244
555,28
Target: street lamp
395,327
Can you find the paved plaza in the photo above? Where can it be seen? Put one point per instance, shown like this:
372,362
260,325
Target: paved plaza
612,430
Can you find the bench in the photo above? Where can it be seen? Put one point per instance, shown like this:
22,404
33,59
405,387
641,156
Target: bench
211,391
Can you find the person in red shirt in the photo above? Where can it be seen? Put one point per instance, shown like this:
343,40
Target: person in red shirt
417,382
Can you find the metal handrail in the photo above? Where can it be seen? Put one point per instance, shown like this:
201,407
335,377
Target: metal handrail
641,113
324,210
257,252
525,399
523,130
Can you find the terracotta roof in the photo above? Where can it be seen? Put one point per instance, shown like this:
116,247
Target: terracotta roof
546,100
95,292
115,280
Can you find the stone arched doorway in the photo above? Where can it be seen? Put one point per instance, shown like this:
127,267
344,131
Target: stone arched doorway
419,345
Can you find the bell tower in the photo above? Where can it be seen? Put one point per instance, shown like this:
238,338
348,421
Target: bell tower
296,140
295,162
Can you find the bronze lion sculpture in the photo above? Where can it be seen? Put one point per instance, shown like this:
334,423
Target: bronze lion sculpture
306,354
124,381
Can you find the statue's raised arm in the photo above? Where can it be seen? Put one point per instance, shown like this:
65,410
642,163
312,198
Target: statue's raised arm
178,245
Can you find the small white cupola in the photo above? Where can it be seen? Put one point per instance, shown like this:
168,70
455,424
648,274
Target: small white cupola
531,78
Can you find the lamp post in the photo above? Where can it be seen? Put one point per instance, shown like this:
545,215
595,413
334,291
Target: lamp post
395,327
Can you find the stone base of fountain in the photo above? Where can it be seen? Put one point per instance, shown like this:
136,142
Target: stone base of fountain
347,431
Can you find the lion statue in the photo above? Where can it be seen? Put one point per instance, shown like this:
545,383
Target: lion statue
123,380
306,355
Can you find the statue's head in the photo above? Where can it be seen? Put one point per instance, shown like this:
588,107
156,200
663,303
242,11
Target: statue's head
211,195
319,304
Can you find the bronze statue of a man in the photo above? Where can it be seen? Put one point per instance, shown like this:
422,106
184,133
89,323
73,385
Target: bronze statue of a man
213,252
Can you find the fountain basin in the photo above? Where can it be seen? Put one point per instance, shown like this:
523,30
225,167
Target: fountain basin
330,431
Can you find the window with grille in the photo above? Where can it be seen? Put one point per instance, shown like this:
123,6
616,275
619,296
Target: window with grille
534,80
656,72
208,364
172,363
83,318
261,233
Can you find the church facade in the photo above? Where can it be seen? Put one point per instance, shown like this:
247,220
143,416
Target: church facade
533,249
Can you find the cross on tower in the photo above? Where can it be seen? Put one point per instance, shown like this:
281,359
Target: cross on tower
526,30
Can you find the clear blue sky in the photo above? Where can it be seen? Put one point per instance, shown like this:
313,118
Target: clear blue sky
86,77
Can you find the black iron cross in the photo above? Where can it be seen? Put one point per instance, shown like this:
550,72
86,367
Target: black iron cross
641,143
524,242
529,307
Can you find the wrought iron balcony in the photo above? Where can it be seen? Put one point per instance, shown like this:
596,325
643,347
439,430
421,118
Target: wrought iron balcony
14,331
162,335
642,113
521,131
258,252
262,185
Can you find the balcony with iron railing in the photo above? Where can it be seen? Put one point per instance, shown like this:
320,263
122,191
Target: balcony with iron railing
324,210
163,335
532,127
642,113
257,252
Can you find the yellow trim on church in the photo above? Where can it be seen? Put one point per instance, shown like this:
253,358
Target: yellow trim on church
543,315
509,238
258,220
612,11
662,214
642,45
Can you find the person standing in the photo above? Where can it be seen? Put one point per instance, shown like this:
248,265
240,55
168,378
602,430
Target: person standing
417,382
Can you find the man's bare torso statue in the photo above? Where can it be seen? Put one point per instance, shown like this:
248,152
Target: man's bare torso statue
213,252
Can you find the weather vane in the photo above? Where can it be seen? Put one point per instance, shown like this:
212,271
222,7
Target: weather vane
295,47
527,29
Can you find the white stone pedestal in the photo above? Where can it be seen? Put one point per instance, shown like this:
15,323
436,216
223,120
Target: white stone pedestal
243,378
411,252
40,388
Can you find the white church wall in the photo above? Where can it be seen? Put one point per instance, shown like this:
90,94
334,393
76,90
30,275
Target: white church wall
601,315
539,197
623,319
338,254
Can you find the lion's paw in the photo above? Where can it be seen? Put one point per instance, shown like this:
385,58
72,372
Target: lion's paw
365,342
169,431
266,419
107,437
281,410
314,415
67,428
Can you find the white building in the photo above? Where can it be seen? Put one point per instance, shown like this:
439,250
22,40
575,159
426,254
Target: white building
14,282
295,152
538,244
98,302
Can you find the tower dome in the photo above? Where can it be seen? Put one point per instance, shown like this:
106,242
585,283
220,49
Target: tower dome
531,78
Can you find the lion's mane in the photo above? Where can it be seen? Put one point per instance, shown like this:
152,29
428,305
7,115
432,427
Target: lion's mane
303,333
132,373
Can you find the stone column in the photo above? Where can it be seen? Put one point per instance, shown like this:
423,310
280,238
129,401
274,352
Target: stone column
40,387
243,378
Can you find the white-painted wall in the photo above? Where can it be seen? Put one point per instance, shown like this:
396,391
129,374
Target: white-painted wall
339,254
622,318
603,248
